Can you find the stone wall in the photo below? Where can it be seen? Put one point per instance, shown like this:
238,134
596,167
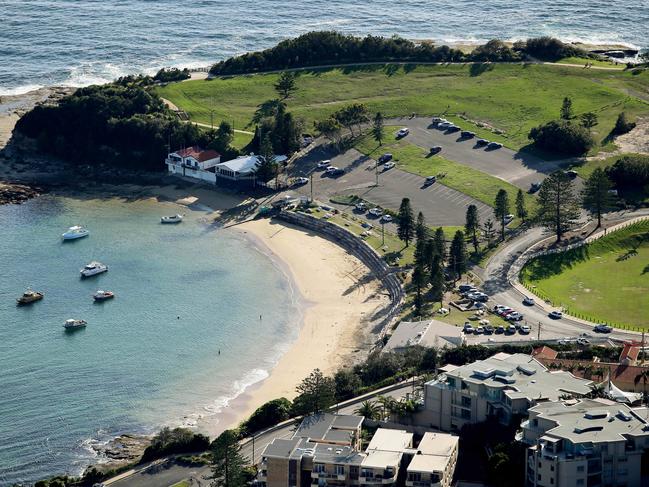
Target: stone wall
362,251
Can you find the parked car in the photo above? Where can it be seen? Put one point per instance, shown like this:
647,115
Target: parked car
437,120
444,125
508,219
466,134
360,207
515,316
331,169
481,142
468,328
403,132
386,219
555,315
300,181
494,145
583,342
499,330
324,164
572,174
478,296
367,226
510,330
466,287
479,330
534,187
388,166
527,301
603,329
436,149
524,330
385,158
452,128
430,180
488,329
377,212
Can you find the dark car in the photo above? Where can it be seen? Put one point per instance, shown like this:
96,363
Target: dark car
494,145
385,158
572,174
430,180
534,187
481,142
436,149
467,134
453,128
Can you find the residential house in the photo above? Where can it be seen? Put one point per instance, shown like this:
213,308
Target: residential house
242,168
383,456
503,386
585,443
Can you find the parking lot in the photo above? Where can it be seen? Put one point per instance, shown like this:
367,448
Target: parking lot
441,205
518,168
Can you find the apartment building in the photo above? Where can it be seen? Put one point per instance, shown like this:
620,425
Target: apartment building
433,461
327,460
501,386
586,443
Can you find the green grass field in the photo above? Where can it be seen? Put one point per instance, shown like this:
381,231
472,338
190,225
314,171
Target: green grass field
509,98
465,179
606,281
595,62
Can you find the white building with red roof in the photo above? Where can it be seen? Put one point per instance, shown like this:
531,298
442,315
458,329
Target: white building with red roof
193,158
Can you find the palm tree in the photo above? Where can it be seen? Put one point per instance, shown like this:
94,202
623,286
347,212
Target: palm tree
644,377
368,409
386,405
596,391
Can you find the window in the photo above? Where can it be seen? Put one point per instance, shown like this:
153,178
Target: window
451,382
464,386
539,477
414,477
466,402
552,480
319,468
551,468
580,481
540,465
535,422
580,468
466,414
339,469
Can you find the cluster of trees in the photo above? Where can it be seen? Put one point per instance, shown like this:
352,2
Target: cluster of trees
119,124
325,48
178,440
569,135
350,117
167,75
630,172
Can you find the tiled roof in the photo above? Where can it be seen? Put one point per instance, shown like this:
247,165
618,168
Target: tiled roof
544,352
201,155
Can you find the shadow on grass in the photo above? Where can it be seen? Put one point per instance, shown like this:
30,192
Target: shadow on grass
546,266
477,69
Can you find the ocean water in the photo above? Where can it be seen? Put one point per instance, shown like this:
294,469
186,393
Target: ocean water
147,358
81,42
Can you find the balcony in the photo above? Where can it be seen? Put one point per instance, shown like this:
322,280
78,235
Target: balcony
421,483
327,475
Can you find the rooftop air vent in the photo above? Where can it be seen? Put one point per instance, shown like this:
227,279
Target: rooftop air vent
596,414
526,370
588,429
621,414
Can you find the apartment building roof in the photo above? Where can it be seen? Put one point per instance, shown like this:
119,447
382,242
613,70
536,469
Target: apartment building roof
429,333
591,421
337,454
521,376
329,427
281,448
390,440
433,453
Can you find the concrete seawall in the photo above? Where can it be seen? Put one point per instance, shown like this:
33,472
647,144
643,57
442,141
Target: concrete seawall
362,251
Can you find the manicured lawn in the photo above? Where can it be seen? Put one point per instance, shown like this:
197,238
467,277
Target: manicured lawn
594,62
510,98
469,181
606,281
182,483
241,140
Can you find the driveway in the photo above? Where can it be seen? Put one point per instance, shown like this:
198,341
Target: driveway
518,168
441,205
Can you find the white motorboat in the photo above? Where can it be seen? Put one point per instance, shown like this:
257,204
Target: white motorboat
93,269
74,324
75,232
103,295
171,219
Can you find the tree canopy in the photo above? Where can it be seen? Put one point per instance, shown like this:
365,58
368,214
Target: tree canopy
558,203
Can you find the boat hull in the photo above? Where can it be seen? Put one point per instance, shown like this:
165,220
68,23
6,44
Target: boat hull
74,236
26,301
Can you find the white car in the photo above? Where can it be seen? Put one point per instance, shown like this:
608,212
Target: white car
527,301
556,315
376,212
525,329
361,207
331,170
386,219
508,219
388,165
300,181
324,164
403,132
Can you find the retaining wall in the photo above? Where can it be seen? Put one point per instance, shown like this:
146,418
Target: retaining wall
362,251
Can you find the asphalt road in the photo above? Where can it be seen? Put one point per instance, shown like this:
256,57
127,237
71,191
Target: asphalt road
166,475
518,168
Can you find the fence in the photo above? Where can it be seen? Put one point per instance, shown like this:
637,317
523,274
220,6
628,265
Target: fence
514,272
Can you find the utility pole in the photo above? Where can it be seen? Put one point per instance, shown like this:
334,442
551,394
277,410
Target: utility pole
538,333
382,233
376,171
311,178
253,449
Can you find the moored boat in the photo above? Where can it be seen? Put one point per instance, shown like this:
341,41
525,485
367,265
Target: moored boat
75,232
72,324
103,295
93,269
171,219
29,296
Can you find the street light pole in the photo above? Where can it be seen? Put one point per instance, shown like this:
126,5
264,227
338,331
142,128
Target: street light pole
311,177
538,333
382,233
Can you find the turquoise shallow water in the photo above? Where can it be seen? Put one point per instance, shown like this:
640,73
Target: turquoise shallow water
80,42
150,356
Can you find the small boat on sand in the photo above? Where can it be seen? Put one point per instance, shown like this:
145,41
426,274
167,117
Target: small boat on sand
103,295
75,232
93,269
29,297
74,324
172,219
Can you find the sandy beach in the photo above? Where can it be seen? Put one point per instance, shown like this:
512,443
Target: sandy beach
337,323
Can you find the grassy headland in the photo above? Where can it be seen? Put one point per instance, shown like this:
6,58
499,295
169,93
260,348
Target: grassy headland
607,280
511,98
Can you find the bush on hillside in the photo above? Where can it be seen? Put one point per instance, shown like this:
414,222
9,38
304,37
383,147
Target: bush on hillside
551,49
177,440
267,415
495,51
166,75
562,136
623,125
630,172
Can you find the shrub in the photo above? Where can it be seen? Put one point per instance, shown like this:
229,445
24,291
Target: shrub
267,415
562,136
177,440
166,75
630,172
551,49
